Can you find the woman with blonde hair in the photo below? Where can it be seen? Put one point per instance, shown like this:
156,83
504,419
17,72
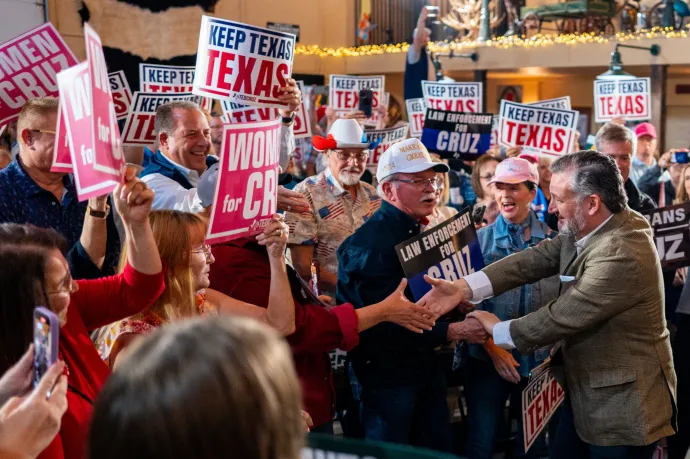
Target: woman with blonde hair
443,211
683,187
203,389
180,240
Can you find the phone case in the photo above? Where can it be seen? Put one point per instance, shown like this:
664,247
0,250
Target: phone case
54,325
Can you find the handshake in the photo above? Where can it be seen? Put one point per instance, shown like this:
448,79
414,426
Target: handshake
443,297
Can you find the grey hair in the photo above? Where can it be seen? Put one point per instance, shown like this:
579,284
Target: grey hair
614,133
164,121
594,173
379,187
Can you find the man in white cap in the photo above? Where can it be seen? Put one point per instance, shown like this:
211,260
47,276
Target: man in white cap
403,386
339,203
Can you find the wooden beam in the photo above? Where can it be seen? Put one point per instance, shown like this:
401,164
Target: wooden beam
659,78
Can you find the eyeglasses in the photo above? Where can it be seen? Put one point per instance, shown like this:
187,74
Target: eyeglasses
359,156
66,287
205,249
435,182
43,131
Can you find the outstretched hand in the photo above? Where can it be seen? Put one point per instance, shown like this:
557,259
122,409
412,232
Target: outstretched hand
405,313
444,296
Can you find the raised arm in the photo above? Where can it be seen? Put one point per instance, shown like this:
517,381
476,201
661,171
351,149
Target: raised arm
94,234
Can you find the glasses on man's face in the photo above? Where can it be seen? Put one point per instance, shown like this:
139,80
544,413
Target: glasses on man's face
43,131
205,249
359,156
435,182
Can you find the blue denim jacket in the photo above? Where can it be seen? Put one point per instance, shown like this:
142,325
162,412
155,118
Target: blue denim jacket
495,243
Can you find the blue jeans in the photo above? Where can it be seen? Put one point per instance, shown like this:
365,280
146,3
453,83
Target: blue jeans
568,445
414,413
486,394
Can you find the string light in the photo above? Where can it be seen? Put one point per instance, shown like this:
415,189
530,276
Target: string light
536,41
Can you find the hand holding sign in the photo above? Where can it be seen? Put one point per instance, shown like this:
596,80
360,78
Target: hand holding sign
292,201
275,237
133,199
291,96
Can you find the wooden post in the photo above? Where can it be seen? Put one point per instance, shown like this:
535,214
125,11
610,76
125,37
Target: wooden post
480,77
659,77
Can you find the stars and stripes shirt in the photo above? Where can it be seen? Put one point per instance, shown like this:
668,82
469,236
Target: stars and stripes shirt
333,218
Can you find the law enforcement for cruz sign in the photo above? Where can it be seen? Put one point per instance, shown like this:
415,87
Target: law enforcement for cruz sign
549,130
448,251
242,63
457,135
671,227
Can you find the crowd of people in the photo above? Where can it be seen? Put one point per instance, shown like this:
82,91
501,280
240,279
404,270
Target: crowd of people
161,353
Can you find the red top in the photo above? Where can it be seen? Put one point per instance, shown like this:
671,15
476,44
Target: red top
97,303
242,271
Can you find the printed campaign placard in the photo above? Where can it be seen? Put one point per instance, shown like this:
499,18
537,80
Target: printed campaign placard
155,78
247,186
549,130
384,138
241,113
62,159
562,103
671,225
343,92
457,135
242,63
107,145
138,130
629,99
448,251
376,115
29,65
122,95
77,114
453,97
416,111
540,399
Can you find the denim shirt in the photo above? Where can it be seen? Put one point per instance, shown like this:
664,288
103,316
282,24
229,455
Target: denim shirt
495,244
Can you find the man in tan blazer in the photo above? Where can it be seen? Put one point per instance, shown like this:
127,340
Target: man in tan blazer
612,353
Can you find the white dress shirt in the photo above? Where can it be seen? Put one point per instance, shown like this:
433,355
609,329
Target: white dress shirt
482,290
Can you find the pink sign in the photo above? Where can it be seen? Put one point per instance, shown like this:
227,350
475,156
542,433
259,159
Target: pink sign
107,146
247,186
77,114
122,95
62,160
29,65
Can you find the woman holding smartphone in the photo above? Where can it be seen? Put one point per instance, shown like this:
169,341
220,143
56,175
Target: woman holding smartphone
79,305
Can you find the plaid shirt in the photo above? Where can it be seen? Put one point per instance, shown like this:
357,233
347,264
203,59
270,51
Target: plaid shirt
333,218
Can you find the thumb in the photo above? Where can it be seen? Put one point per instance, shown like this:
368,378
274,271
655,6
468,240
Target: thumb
431,281
401,287
10,405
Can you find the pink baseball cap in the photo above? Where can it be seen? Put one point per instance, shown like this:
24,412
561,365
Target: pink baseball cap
515,170
645,129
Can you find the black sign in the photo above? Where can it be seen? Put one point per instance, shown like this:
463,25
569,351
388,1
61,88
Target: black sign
457,135
671,227
286,28
448,251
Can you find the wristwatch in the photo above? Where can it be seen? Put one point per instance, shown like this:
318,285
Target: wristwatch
102,214
290,119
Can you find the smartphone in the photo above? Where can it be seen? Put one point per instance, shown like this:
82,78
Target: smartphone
46,337
366,101
433,23
478,214
680,157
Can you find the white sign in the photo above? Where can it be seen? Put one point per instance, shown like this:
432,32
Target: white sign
562,103
629,99
416,111
343,92
453,97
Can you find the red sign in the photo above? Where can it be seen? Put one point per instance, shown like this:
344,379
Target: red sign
247,186
122,95
107,146
242,63
629,99
540,399
29,65
77,114
62,159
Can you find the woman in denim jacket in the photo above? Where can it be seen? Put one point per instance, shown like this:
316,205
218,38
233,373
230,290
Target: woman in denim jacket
494,374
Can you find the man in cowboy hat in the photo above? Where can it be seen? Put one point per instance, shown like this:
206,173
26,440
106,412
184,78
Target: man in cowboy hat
340,203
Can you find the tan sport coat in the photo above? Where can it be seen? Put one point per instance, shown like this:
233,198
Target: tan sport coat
613,355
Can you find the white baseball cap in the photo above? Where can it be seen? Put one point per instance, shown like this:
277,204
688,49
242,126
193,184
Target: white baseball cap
407,157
